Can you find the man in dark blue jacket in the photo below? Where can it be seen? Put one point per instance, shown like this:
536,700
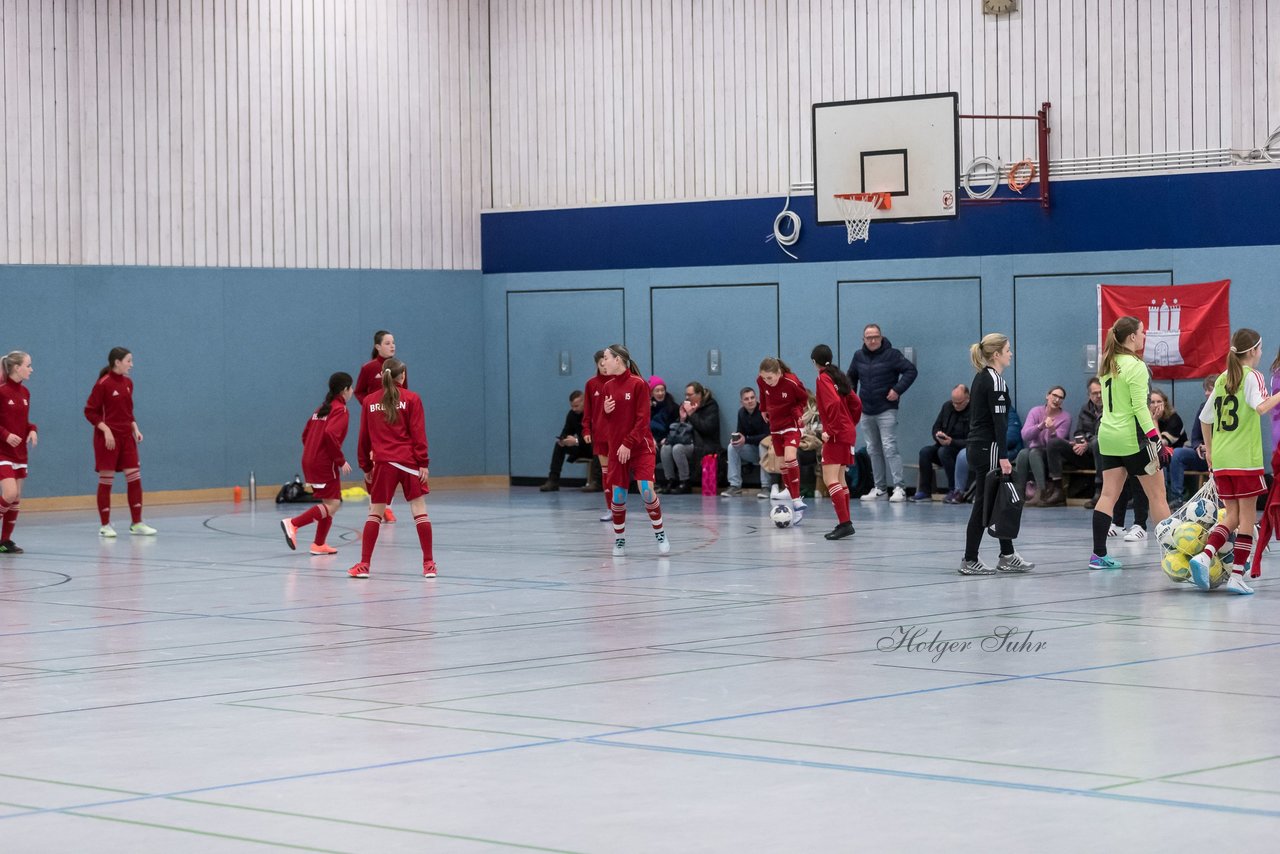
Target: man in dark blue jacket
881,375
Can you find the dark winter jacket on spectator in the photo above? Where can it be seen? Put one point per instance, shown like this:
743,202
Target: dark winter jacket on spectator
874,372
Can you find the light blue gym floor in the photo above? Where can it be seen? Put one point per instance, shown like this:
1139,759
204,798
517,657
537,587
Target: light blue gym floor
209,690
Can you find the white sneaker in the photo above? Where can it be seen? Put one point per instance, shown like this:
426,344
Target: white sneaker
1135,534
107,531
899,495
142,529
1115,531
876,494
620,547
1236,584
776,492
664,545
606,516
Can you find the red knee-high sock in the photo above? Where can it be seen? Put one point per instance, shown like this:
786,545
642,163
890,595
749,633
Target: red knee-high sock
655,513
10,519
4,511
322,529
104,499
791,478
311,514
371,527
133,487
608,490
423,524
619,517
1244,548
840,500
1217,539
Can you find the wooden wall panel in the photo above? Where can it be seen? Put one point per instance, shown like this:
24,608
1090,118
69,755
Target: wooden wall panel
712,98
254,133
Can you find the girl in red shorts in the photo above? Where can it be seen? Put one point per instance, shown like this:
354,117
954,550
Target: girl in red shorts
323,464
115,440
16,433
1233,449
782,401
841,410
393,454
369,380
625,422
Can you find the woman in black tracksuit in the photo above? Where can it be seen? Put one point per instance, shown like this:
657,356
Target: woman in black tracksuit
988,427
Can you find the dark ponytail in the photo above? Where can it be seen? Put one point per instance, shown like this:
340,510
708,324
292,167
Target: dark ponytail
338,383
821,356
391,369
377,339
116,354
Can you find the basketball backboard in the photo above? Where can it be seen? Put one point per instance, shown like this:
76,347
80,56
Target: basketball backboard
907,147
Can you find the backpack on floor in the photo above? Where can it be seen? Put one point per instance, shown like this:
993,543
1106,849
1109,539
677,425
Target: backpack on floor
859,475
294,492
710,473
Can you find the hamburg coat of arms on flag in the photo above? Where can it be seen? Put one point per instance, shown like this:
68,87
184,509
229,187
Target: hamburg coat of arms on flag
1188,326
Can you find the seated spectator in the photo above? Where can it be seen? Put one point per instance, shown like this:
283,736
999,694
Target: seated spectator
1080,452
702,412
1168,421
1188,457
810,449
950,429
1043,424
663,410
744,444
569,444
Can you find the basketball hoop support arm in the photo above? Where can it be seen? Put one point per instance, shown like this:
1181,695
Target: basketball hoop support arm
1041,118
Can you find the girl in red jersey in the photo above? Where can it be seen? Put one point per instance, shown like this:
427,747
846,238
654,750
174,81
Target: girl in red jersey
369,380
115,440
393,453
782,400
591,416
323,464
16,433
625,421
841,410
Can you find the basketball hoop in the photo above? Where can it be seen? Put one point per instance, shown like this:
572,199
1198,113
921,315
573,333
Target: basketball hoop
857,208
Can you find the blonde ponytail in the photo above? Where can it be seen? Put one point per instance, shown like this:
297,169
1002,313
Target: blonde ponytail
1242,342
1111,347
981,353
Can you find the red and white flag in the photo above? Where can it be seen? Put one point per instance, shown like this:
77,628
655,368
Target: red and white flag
1188,326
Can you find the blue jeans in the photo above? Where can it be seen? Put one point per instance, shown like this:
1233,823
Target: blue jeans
880,432
738,454
1184,459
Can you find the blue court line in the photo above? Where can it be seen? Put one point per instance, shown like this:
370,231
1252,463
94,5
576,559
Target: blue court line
633,730
940,778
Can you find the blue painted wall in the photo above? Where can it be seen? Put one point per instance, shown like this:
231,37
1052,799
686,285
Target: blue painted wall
932,286
229,363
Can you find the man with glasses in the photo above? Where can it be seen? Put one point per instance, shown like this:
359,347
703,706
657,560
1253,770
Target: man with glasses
1043,424
881,375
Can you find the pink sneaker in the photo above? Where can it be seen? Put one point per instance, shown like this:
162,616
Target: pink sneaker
387,515
429,569
290,533
360,570
323,549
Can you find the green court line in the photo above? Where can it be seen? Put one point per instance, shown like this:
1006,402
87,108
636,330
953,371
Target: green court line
530,717
1129,778
1159,687
267,811
1226,788
1172,777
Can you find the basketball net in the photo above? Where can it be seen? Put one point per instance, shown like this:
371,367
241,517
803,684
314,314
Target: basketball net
857,208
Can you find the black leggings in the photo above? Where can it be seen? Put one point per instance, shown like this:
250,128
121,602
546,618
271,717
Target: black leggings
984,461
